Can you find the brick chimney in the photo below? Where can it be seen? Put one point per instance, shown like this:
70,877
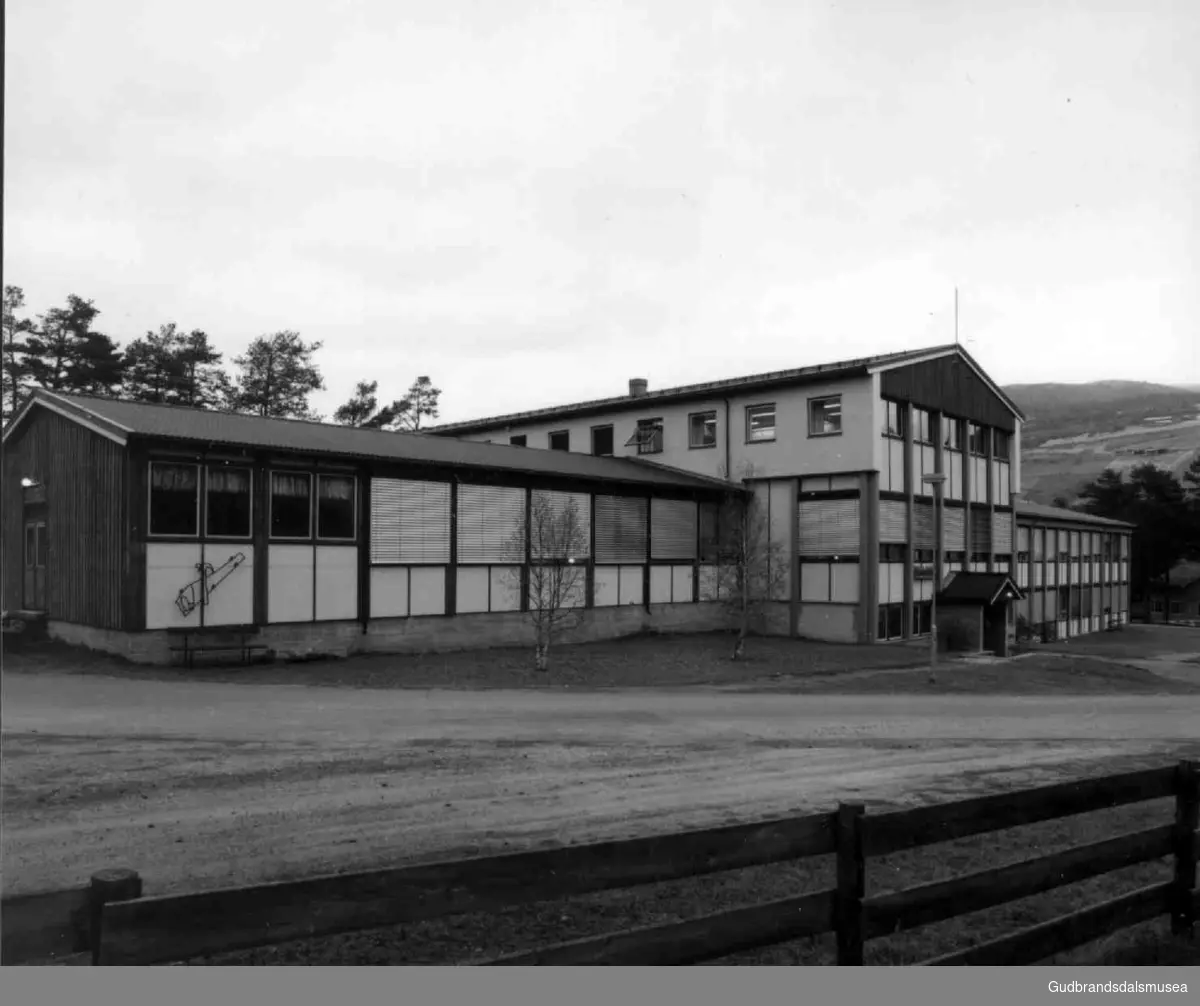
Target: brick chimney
637,387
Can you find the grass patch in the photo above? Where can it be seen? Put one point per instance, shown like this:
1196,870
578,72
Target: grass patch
473,938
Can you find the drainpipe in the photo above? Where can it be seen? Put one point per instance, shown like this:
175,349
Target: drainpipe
728,460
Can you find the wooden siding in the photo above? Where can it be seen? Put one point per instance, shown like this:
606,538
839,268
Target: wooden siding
86,504
949,385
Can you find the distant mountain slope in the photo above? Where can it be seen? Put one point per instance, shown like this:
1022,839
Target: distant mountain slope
1074,431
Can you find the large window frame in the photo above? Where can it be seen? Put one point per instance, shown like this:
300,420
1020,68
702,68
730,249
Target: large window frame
703,423
951,433
208,509
893,419
977,439
316,507
763,434
647,436
1001,445
271,504
923,425
564,440
815,404
612,442
150,490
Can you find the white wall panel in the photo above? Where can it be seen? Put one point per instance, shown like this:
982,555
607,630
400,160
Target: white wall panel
389,591
471,591
170,568
290,583
506,588
708,583
607,582
231,602
337,582
660,584
814,581
845,582
681,584
427,590
631,585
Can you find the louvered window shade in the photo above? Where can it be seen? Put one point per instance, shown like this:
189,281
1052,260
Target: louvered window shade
828,527
491,524
981,531
954,529
672,529
410,521
923,526
621,529
893,522
1001,533
554,535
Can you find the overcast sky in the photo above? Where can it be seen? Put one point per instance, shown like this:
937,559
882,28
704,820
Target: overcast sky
533,202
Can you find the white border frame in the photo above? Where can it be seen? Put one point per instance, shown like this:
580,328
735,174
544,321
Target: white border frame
229,537
312,517
200,484
317,536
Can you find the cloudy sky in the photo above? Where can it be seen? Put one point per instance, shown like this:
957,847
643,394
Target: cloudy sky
533,201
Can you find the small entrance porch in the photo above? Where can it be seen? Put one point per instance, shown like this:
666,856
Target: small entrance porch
975,612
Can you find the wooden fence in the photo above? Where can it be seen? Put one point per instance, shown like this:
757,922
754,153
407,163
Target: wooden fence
150,930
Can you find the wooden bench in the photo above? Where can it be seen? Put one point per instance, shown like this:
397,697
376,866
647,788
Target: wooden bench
196,642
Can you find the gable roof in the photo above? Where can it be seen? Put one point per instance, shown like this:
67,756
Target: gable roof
754,382
1025,508
978,588
120,421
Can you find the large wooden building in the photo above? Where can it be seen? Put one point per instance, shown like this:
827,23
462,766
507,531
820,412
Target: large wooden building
840,455
127,526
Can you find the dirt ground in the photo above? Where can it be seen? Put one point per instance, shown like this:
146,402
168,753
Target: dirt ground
211,783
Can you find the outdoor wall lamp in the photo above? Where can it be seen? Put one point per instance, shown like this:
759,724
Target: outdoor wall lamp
28,483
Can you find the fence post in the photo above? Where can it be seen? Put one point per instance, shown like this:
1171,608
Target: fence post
1187,819
109,885
851,884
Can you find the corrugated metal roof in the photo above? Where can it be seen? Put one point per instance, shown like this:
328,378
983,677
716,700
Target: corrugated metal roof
1026,508
202,426
778,377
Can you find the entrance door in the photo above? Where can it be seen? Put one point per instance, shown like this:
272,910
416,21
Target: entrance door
35,565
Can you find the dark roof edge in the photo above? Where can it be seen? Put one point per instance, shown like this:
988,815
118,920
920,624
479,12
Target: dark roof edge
1058,513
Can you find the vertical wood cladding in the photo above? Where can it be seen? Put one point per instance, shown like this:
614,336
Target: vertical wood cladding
86,512
950,385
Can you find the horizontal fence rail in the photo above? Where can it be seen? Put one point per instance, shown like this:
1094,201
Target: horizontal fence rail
119,926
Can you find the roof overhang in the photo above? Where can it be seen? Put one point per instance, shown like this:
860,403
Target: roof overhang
41,398
984,589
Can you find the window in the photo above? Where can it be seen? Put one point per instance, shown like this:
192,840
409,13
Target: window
1000,445
602,441
174,499
760,423
922,618
954,558
1176,607
922,555
922,426
517,440
952,439
1157,607
335,506
980,556
560,440
825,416
648,437
891,553
702,429
228,502
977,439
891,621
893,420
291,505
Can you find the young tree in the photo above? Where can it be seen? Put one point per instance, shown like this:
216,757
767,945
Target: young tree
407,412
557,572
63,353
16,372
752,570
203,382
362,406
277,376
153,370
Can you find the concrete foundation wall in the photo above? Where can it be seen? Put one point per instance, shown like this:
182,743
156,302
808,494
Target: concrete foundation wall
427,634
831,623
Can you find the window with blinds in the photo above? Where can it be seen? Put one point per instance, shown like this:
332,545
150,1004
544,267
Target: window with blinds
491,524
923,526
954,529
893,522
828,527
410,521
672,529
981,532
560,525
1002,533
621,528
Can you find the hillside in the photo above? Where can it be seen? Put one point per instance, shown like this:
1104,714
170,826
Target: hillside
1074,431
